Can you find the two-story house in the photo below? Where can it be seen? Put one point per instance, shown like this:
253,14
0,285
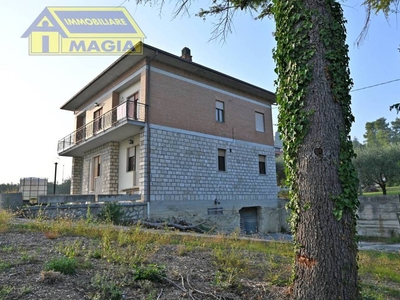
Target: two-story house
193,142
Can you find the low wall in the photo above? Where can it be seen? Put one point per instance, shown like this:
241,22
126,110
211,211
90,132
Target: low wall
132,211
377,216
12,201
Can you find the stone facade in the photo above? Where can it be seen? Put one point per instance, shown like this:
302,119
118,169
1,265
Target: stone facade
186,182
109,169
184,167
76,179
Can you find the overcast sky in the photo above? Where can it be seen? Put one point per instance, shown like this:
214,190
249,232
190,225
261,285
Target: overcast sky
35,87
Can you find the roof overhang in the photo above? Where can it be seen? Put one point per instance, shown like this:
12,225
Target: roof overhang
126,62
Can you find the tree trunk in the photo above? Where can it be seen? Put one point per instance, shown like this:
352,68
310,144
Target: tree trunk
323,220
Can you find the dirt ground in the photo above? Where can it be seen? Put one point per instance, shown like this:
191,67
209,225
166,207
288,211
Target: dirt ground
188,275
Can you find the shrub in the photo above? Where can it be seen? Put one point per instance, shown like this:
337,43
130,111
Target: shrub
111,212
64,265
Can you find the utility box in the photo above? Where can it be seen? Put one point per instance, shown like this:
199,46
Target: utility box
31,188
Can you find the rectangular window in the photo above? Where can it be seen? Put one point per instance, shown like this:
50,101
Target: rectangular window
261,164
97,120
221,160
260,122
219,111
131,159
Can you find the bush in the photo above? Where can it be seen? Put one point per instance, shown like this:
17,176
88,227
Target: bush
64,265
111,213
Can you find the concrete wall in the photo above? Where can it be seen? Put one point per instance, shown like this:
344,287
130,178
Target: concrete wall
12,201
378,216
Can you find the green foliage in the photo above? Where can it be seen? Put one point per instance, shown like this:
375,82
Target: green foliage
378,133
64,265
378,165
61,189
280,171
106,289
8,188
292,56
111,213
151,272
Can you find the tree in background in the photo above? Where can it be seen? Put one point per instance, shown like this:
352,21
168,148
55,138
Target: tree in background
9,188
280,171
378,133
61,189
378,165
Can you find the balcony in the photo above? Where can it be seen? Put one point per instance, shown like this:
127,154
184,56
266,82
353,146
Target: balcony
121,122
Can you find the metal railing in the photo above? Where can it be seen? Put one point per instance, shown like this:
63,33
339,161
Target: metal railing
129,110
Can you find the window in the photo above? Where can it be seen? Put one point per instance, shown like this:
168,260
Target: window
260,122
219,111
221,160
261,164
97,124
131,159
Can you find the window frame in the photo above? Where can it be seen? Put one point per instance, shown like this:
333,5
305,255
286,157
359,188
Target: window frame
221,160
219,112
258,119
262,164
131,164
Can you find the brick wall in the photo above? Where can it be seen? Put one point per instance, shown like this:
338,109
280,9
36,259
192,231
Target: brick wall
179,104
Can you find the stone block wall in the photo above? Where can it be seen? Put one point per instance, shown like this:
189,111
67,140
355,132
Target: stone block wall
109,154
76,179
184,167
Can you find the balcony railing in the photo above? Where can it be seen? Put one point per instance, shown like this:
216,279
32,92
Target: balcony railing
129,110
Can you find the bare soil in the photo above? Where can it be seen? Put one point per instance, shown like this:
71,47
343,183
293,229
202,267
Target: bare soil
188,274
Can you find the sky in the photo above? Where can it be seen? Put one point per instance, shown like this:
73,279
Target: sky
33,88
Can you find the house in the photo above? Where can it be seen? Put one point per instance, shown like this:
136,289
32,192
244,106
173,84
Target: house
194,143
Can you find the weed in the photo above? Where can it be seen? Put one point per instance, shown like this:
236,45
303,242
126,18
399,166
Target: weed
51,235
111,213
64,265
151,272
231,264
50,276
105,288
5,219
7,249
5,290
4,266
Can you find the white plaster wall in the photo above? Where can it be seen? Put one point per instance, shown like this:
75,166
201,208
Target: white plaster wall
135,87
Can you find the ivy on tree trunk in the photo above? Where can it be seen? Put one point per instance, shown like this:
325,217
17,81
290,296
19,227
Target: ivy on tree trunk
314,121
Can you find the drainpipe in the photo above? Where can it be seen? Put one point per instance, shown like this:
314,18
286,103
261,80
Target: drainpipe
148,186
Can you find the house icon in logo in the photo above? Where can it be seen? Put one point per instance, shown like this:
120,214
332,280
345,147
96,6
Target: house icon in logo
84,31
44,35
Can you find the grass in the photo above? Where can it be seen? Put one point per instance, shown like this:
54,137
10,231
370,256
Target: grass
392,190
233,257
